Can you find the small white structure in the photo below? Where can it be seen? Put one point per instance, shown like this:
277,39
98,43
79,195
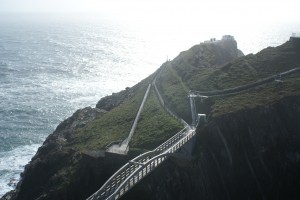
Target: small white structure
295,35
227,37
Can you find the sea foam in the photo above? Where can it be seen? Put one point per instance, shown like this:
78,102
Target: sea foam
12,164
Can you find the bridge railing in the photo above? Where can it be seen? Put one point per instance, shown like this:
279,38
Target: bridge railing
145,168
137,176
137,168
115,180
171,141
246,87
118,179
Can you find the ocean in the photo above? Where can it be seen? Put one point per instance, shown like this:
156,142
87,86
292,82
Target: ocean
52,66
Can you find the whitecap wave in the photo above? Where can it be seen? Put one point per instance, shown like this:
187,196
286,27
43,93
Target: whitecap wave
12,163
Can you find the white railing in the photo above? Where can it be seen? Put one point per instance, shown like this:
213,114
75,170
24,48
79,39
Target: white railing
115,186
136,169
145,168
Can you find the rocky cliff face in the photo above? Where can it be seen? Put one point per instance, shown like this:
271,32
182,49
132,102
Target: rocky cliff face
250,154
59,172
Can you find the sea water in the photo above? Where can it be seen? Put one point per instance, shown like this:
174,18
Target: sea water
50,67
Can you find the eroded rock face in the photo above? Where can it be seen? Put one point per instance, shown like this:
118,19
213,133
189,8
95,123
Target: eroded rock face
55,166
251,154
109,102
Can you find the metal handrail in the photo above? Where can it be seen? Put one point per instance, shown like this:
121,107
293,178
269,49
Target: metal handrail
146,165
141,162
120,179
141,158
246,87
137,171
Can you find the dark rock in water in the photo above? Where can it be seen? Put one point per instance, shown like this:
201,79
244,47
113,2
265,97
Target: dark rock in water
13,182
54,164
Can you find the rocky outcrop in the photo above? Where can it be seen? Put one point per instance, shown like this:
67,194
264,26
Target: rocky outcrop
55,166
208,54
109,102
250,154
115,99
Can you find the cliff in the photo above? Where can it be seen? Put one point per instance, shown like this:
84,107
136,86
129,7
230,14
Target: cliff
248,149
248,154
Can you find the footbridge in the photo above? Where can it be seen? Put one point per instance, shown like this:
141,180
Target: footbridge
138,168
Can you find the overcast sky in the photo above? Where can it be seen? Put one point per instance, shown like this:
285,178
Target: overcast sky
286,7
237,11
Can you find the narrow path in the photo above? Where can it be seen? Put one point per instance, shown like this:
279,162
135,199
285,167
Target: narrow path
135,170
234,91
246,87
123,147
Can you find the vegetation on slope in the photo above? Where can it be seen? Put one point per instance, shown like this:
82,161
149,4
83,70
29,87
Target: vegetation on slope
247,69
112,126
155,125
190,69
205,67
188,72
174,91
263,95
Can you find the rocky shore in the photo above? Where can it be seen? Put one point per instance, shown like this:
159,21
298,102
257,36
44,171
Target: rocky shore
249,149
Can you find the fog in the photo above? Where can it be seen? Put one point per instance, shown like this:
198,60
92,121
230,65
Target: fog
211,10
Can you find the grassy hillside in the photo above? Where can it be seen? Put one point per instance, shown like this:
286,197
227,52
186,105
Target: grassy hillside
155,125
260,96
191,70
188,72
174,90
204,67
112,126
248,69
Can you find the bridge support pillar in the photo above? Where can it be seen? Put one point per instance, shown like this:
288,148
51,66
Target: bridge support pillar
193,111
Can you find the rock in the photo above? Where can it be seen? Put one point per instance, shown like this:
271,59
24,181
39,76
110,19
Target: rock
250,154
109,102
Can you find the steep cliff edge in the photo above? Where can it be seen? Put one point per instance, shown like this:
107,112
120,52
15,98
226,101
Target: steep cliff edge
250,154
248,149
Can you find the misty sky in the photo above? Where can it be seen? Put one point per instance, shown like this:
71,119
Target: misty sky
232,9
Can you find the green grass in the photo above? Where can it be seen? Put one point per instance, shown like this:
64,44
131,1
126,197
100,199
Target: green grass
174,91
188,72
191,70
112,126
155,125
247,69
264,95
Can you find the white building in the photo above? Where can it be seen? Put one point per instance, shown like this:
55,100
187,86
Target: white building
227,37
